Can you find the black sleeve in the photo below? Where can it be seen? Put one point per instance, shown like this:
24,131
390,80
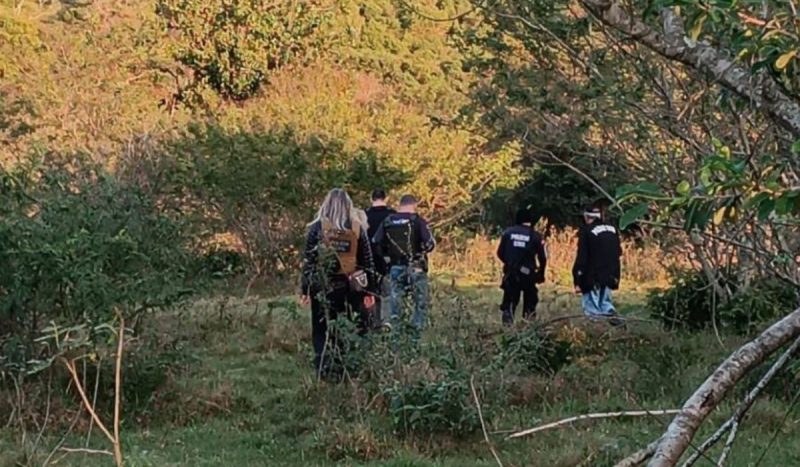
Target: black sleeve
377,241
427,242
310,255
581,259
541,256
501,249
364,259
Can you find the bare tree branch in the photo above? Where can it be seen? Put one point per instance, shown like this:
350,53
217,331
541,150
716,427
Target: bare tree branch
745,405
680,432
594,416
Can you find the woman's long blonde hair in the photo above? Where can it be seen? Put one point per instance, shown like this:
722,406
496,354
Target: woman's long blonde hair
361,217
336,209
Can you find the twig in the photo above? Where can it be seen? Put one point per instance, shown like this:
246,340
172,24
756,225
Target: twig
94,401
483,424
639,457
745,405
118,392
70,365
87,451
593,416
728,445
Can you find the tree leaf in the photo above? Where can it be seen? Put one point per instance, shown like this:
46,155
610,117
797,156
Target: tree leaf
719,215
683,188
765,209
784,59
632,215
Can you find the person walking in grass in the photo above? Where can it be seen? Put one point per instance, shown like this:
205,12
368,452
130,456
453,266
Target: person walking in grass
376,214
406,240
596,272
337,276
524,256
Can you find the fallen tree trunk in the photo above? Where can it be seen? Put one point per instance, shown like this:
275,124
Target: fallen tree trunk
680,432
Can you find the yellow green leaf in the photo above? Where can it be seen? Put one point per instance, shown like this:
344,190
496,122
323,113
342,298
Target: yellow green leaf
697,28
783,60
719,216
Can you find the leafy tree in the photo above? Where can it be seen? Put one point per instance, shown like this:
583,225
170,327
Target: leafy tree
232,47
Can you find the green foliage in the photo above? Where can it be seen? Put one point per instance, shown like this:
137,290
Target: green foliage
264,191
232,47
535,350
687,303
79,247
426,407
690,303
761,34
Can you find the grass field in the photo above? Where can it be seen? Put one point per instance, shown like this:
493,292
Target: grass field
238,390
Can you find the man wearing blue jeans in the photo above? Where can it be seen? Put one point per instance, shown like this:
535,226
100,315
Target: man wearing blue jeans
405,239
597,265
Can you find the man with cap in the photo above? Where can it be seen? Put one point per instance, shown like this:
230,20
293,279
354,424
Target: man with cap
524,256
596,271
405,239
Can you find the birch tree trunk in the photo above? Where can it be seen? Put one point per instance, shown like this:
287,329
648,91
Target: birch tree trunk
675,441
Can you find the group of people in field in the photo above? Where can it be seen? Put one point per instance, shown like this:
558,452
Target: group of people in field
364,264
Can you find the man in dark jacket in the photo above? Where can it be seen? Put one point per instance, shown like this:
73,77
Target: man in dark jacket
597,265
376,214
405,239
524,256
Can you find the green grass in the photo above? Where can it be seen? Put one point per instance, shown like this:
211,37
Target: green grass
242,393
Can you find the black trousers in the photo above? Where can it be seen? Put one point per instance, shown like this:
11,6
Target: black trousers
338,302
513,288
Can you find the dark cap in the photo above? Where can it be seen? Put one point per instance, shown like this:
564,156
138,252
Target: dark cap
408,200
523,216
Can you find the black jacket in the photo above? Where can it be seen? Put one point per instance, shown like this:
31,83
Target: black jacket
597,263
415,229
311,266
523,253
375,217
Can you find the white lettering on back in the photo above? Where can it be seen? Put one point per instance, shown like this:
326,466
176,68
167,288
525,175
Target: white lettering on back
603,229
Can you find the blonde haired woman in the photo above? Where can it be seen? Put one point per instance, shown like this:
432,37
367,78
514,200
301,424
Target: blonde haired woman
337,249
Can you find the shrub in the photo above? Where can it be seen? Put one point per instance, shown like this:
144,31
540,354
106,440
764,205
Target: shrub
262,194
78,247
534,349
443,405
689,303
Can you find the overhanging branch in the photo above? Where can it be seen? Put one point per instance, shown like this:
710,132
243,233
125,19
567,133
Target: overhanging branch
757,87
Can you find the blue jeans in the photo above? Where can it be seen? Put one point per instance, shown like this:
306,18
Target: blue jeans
597,303
404,280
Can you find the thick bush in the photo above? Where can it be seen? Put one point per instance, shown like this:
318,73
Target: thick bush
535,350
689,303
425,406
79,248
260,188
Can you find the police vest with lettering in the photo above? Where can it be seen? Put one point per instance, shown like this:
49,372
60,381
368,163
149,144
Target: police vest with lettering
401,233
344,243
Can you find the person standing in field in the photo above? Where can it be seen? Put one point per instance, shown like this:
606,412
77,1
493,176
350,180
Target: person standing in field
337,276
405,239
597,270
376,214
524,256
